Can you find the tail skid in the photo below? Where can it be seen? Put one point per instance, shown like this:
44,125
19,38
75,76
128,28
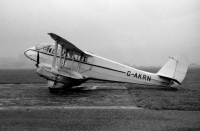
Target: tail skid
175,69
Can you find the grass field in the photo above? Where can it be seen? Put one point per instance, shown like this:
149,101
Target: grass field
185,97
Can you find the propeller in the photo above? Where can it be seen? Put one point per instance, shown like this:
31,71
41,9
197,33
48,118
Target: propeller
38,59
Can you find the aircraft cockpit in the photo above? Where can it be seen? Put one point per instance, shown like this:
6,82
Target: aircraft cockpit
42,46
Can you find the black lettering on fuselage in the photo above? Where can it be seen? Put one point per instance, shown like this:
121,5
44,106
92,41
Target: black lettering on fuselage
128,73
139,76
148,78
135,75
144,77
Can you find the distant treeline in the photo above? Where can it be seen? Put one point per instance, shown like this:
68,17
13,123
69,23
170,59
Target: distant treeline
16,63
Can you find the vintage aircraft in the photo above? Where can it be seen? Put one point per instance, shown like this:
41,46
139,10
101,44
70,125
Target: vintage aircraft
64,63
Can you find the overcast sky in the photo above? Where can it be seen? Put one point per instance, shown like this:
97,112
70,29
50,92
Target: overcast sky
141,32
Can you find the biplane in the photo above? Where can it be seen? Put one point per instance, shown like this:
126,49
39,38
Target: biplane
65,63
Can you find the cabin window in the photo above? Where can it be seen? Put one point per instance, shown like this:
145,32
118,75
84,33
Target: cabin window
79,58
69,56
76,57
50,50
84,59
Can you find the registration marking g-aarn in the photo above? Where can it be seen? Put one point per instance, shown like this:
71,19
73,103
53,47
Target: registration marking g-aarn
138,76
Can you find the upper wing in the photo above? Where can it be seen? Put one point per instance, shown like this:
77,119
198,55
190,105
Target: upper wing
66,44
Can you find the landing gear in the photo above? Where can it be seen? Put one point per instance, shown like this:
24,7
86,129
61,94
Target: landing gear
173,89
61,89
51,85
53,90
58,88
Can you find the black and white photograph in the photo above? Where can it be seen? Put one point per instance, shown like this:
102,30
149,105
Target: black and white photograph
105,65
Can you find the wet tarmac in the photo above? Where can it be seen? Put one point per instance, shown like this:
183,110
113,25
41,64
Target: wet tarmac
89,107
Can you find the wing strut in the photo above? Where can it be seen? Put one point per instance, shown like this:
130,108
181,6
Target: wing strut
51,83
60,63
55,55
64,61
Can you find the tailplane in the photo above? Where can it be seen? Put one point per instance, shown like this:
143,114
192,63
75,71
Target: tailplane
175,69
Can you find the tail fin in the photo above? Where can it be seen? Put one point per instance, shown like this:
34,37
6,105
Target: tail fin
175,69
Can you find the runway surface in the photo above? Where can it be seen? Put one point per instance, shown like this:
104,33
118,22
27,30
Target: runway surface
33,107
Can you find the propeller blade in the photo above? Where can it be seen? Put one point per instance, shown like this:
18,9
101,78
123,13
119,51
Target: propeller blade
38,59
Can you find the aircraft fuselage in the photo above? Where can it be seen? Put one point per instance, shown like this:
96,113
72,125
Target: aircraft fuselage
94,67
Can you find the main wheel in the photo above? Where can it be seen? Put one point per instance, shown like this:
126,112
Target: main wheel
54,90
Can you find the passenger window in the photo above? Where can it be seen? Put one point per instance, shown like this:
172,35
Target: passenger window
85,59
50,50
77,57
69,56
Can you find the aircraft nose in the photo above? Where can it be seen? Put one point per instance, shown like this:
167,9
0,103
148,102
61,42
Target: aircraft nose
30,54
27,53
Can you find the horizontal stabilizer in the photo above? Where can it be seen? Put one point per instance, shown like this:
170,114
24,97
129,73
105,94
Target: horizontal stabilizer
171,79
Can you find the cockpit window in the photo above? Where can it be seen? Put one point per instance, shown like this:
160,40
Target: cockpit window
47,48
42,45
